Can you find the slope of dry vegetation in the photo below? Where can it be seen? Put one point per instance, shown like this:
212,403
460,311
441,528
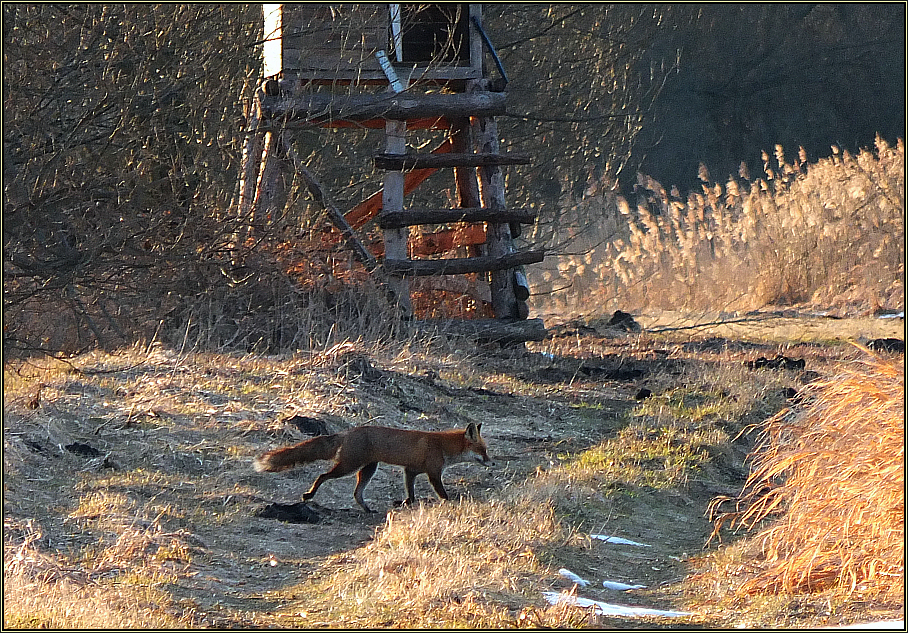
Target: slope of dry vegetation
830,474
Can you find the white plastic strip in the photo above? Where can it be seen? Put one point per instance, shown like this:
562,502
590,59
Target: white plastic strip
617,540
567,573
620,586
605,608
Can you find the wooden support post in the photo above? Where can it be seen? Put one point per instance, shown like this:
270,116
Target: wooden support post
465,177
491,180
267,194
393,201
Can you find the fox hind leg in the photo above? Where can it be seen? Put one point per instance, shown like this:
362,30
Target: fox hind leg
362,478
339,470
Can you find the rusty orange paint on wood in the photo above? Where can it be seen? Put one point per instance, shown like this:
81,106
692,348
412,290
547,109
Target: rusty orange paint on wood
366,210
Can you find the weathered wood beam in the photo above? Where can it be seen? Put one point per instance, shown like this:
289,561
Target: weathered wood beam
429,123
412,217
505,304
460,266
447,240
401,106
393,199
490,330
437,161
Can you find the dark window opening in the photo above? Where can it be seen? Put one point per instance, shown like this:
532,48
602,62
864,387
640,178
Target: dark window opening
437,33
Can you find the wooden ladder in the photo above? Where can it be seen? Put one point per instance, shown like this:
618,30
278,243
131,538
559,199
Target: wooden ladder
474,152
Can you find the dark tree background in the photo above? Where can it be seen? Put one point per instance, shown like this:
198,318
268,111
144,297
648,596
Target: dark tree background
754,75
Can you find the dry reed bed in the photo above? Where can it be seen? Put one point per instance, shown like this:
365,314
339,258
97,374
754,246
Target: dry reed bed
830,233
830,477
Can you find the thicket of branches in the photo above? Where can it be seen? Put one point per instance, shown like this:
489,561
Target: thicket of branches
123,129
582,86
122,142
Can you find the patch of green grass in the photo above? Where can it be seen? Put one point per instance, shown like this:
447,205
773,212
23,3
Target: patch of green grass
643,455
688,405
595,406
667,438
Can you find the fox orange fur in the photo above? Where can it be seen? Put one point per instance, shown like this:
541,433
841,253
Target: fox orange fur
361,448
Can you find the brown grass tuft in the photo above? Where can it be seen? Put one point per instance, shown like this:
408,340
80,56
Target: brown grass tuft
831,476
453,564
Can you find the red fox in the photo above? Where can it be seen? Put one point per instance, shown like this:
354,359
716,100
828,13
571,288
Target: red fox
361,448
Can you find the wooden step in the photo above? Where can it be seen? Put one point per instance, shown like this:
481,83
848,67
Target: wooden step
461,266
470,235
366,210
413,217
451,159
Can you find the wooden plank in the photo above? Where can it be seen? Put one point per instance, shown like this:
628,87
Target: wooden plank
413,217
491,185
489,330
420,74
431,123
448,240
458,285
406,105
460,266
427,161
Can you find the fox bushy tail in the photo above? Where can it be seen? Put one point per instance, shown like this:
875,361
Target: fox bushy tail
321,447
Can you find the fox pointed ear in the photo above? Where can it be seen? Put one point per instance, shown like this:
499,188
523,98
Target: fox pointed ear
473,430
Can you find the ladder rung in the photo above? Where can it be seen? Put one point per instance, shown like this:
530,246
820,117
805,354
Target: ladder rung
436,161
413,217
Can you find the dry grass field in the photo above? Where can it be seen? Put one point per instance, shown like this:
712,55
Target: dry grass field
729,465
130,499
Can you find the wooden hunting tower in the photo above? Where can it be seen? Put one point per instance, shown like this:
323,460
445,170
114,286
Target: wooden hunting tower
322,65
338,42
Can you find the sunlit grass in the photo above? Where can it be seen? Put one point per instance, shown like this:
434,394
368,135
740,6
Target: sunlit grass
830,233
444,565
827,490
